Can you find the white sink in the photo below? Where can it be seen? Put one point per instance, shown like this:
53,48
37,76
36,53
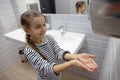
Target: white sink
70,41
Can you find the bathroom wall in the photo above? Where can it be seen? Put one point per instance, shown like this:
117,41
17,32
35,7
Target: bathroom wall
94,43
62,6
8,49
20,6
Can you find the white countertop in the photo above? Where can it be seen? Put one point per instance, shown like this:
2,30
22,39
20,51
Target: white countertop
73,45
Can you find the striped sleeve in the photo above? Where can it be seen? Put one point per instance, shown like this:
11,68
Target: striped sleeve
60,52
44,67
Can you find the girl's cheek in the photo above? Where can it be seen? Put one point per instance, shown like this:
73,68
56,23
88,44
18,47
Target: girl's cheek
45,30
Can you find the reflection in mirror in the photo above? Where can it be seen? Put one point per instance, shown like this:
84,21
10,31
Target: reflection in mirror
50,6
69,6
80,7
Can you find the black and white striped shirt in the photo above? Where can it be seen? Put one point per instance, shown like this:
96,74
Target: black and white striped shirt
54,54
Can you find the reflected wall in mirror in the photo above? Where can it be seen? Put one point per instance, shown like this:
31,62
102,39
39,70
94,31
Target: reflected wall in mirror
61,6
68,6
49,6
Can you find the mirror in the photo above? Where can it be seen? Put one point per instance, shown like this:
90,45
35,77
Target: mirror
59,7
63,6
69,6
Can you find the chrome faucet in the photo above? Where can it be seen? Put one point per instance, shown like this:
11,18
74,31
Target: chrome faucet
62,31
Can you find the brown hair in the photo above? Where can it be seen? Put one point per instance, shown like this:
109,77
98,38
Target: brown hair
26,19
79,4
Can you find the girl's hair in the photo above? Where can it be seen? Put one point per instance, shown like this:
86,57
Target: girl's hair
79,4
26,19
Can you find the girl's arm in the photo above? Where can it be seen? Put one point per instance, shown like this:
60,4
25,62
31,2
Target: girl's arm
57,50
65,55
82,58
61,67
49,69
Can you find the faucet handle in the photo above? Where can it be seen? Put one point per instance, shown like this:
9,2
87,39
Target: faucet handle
60,27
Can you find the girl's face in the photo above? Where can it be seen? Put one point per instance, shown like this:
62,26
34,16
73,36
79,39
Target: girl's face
37,29
83,8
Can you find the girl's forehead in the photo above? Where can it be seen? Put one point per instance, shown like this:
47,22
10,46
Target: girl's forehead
39,19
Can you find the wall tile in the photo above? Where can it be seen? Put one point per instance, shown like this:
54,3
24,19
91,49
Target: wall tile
93,42
58,17
57,24
8,50
104,44
100,37
76,25
77,18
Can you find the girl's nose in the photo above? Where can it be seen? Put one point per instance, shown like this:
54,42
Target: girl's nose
42,29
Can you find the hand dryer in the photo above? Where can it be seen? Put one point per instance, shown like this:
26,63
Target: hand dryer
105,17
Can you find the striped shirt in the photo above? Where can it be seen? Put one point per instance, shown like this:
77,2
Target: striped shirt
54,54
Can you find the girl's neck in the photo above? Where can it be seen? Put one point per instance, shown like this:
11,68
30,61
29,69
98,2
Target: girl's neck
80,12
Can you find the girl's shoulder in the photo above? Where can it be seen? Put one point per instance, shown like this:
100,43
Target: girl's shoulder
28,49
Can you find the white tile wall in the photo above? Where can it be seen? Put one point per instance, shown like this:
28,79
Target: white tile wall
62,6
8,50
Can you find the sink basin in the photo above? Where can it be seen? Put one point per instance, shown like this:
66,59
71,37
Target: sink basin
64,41
70,41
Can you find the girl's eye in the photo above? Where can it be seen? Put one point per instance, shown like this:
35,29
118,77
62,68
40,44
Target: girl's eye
37,27
44,24
40,26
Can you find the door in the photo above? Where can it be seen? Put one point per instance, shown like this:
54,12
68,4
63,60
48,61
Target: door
47,6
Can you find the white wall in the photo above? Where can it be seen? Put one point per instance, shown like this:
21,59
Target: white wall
8,50
21,4
111,67
62,6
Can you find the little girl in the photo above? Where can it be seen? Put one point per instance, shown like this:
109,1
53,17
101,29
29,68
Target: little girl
80,7
44,53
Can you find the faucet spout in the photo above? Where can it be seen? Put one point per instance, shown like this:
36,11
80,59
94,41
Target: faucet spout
61,28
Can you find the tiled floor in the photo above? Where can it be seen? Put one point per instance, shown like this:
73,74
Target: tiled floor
24,71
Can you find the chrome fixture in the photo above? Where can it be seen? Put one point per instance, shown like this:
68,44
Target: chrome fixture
62,31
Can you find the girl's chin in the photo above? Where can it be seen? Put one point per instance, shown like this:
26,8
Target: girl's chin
42,37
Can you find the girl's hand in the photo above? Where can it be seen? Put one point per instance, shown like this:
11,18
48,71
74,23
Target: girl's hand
81,65
87,59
